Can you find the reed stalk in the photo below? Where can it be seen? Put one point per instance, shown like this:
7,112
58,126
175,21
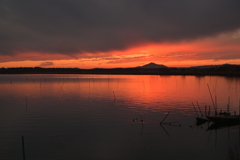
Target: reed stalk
212,100
23,149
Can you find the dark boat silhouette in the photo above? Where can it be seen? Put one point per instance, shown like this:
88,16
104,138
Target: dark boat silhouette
218,125
225,119
201,121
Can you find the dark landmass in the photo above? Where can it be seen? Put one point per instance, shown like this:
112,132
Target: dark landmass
149,69
153,65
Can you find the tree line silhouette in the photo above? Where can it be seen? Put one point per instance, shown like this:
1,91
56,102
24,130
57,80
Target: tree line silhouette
224,70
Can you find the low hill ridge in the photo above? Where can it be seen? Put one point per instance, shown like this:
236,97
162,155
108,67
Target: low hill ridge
153,65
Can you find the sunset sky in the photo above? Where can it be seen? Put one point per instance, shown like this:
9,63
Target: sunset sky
118,33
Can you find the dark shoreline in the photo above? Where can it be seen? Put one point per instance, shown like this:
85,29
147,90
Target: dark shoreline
221,70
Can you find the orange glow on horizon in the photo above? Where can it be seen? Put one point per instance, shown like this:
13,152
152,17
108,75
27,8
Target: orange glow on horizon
185,54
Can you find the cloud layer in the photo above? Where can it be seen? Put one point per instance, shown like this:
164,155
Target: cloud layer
46,64
78,26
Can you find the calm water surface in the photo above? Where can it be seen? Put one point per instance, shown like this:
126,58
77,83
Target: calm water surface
118,117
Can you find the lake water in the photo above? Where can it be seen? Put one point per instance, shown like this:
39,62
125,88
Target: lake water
118,117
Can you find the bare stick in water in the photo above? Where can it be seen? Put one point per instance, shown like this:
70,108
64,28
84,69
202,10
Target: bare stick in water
212,99
165,117
239,108
209,110
199,109
228,104
23,148
206,110
26,103
216,103
195,109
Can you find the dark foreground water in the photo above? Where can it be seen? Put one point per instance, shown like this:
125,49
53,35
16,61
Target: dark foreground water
114,117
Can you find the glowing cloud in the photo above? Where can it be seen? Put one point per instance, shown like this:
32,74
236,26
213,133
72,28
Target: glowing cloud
109,33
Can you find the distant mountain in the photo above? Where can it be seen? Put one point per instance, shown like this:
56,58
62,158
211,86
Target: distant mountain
153,65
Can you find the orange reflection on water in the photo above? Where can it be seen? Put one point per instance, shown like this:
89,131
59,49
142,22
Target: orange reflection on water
136,92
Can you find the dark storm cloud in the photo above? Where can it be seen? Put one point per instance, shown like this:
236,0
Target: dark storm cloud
72,26
46,64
